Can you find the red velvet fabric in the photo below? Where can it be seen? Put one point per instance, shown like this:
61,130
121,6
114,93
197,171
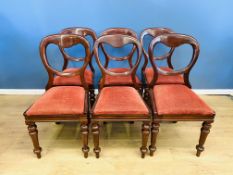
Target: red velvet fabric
163,79
59,100
179,99
120,100
119,80
75,80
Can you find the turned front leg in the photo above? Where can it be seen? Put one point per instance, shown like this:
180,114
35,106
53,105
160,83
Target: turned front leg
85,131
154,133
96,132
205,130
33,132
145,136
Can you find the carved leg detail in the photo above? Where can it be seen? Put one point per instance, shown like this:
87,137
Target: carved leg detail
154,133
205,130
145,136
96,132
146,95
92,96
85,131
32,129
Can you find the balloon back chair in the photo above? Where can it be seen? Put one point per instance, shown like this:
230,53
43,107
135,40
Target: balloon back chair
119,80
61,103
177,102
119,102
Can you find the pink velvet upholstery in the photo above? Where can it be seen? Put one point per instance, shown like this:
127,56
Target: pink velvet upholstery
59,81
59,100
119,80
120,100
163,79
178,99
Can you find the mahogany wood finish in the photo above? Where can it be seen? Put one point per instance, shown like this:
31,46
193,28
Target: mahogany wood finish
173,40
63,41
84,32
118,40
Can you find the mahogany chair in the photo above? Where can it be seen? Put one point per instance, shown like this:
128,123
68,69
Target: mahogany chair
177,102
89,73
61,103
119,80
147,72
119,103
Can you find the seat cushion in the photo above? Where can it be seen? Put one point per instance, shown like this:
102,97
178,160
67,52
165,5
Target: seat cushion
119,80
178,99
59,100
75,80
164,79
120,100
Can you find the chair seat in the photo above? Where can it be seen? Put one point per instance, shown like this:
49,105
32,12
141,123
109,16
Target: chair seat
75,80
163,79
179,100
59,100
119,80
120,100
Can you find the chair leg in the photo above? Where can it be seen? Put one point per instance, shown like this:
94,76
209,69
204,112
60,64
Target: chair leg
145,136
92,96
96,132
205,130
85,131
154,133
33,132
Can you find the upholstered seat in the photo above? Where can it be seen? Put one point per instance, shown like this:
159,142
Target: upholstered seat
75,80
163,79
179,100
120,100
59,100
119,80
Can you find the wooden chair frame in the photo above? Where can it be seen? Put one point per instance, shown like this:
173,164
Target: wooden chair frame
175,40
63,41
118,40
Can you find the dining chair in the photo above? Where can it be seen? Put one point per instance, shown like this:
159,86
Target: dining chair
177,102
89,73
61,103
119,103
119,80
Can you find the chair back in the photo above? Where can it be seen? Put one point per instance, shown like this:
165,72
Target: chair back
122,31
65,41
117,41
84,32
154,32
173,40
